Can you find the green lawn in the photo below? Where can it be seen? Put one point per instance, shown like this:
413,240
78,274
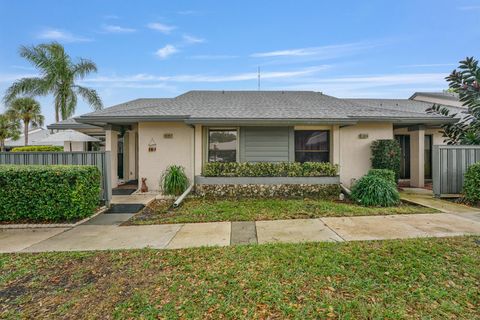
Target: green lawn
436,278
202,210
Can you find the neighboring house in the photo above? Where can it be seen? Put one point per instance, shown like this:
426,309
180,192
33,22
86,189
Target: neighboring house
71,124
34,138
250,126
444,97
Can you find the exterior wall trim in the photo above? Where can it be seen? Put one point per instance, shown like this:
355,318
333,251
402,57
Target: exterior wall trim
266,180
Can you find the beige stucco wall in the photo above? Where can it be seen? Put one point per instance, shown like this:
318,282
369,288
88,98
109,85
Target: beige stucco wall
355,153
76,146
175,151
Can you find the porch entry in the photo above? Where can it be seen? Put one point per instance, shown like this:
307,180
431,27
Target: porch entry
404,141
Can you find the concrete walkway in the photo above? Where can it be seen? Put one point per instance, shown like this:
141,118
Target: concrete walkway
425,198
104,232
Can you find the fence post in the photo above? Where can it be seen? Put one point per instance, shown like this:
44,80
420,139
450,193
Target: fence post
107,177
436,176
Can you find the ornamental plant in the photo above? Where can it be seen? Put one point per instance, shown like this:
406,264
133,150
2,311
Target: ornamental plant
386,154
270,169
374,191
38,149
174,181
386,174
48,193
471,185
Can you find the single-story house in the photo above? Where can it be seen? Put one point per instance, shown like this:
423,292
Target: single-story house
35,136
250,126
444,98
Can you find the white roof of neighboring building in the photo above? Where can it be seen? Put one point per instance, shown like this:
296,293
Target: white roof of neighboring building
68,136
34,137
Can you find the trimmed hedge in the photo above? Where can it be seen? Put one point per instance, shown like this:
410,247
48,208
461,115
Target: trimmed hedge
262,191
386,174
38,149
471,185
374,191
270,169
48,193
386,154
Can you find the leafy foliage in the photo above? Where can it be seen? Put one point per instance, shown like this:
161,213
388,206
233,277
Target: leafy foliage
386,155
174,181
58,77
48,193
28,111
9,128
38,149
385,174
471,186
374,191
466,83
270,169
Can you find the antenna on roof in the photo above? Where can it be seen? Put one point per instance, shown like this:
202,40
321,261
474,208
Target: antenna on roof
258,78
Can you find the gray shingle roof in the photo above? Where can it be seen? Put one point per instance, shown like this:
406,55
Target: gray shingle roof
440,95
69,124
403,105
245,105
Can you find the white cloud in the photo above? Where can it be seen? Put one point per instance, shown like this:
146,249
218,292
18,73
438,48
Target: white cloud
60,35
164,28
10,77
213,57
191,39
117,29
427,65
148,79
166,51
387,85
323,52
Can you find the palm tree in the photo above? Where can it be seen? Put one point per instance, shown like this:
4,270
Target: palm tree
8,129
58,76
28,111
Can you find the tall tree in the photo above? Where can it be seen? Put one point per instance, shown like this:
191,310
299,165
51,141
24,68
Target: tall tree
466,83
28,111
9,128
58,76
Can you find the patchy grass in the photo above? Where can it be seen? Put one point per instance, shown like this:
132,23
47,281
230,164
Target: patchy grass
436,278
204,210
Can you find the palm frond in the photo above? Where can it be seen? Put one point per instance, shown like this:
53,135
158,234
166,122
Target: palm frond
91,96
27,86
83,68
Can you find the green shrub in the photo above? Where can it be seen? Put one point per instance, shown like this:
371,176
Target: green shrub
471,185
174,181
270,169
374,191
386,154
386,174
38,149
48,193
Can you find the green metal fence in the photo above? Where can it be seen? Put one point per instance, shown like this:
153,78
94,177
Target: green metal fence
449,166
101,159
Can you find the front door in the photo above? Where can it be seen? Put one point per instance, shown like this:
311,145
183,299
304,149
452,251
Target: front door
428,156
404,141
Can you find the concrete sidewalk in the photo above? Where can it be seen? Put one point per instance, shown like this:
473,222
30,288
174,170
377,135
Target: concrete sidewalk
104,232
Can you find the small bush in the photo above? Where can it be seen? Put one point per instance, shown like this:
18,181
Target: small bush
386,154
174,181
386,174
373,191
270,169
38,149
471,186
39,193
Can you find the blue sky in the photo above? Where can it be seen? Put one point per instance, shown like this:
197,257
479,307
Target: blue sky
163,48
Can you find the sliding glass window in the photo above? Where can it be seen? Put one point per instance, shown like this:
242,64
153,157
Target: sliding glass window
222,145
312,146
